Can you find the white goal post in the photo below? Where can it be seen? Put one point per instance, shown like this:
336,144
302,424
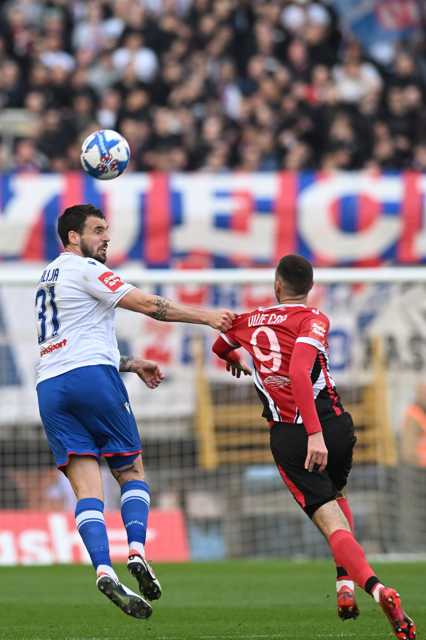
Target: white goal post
22,275
205,443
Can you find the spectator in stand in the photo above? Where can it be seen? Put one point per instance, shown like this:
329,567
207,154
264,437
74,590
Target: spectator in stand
277,77
356,78
419,163
27,157
107,114
384,152
11,85
134,53
52,55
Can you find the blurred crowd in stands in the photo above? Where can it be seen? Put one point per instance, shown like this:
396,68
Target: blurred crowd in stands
205,85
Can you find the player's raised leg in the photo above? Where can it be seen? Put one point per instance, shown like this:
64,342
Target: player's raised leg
347,552
84,475
135,503
347,607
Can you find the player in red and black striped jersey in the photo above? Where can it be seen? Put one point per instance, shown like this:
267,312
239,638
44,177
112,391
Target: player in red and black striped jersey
277,338
311,435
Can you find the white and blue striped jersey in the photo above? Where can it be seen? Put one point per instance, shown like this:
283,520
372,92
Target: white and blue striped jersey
75,315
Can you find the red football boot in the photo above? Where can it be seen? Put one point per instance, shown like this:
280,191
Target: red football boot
347,607
403,627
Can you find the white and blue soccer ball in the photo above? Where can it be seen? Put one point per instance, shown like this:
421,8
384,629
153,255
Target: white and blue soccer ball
105,154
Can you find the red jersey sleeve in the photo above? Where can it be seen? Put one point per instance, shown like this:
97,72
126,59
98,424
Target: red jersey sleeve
314,330
231,336
301,363
226,342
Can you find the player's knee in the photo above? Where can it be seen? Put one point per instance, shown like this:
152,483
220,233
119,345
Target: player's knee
128,473
130,470
84,476
329,518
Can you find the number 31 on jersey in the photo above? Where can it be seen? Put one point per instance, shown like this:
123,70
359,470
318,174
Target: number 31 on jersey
47,314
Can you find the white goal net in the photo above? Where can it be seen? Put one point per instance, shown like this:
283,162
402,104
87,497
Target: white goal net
205,444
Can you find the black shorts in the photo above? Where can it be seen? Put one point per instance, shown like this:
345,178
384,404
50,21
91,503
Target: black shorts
289,446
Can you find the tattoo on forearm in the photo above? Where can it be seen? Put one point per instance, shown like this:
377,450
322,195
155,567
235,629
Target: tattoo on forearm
163,306
125,364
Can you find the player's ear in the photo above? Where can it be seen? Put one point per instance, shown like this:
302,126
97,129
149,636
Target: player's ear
277,288
73,237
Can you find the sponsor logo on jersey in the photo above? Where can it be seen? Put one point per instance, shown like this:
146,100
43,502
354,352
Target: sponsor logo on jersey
276,382
127,407
111,280
318,329
44,351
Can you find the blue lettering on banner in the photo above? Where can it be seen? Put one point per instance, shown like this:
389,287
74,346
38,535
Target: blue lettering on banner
340,349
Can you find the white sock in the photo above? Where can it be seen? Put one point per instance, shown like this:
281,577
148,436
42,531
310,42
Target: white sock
106,569
137,547
376,591
345,583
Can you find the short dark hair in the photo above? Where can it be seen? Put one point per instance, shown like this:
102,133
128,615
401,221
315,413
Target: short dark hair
296,273
74,218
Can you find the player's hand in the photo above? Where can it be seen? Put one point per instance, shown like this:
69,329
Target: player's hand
237,368
220,320
317,455
148,371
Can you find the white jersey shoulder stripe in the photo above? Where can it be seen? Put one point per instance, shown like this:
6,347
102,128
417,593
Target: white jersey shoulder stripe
280,306
312,342
229,341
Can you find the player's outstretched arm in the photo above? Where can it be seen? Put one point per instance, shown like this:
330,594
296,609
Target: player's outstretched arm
167,310
147,370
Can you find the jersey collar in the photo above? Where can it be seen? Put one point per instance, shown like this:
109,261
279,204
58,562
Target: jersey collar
283,304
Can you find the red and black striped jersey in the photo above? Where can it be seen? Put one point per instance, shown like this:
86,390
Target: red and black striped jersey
270,335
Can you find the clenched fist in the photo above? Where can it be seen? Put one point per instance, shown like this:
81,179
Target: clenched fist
221,320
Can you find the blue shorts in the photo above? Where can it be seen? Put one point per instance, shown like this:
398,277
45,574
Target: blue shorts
86,411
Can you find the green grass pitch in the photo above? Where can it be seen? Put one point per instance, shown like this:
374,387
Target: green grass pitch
235,600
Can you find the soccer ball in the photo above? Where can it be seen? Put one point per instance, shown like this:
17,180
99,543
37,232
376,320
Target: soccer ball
105,154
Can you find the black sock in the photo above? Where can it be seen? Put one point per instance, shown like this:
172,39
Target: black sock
342,573
371,583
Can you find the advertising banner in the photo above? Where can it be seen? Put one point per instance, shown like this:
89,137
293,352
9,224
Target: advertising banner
226,220
36,537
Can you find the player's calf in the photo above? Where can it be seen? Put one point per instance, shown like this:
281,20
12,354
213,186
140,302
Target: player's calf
129,602
149,584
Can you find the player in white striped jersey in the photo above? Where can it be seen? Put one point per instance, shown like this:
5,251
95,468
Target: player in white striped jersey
83,403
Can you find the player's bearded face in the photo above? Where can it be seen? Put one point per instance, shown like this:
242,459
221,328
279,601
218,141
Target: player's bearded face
94,240
97,252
